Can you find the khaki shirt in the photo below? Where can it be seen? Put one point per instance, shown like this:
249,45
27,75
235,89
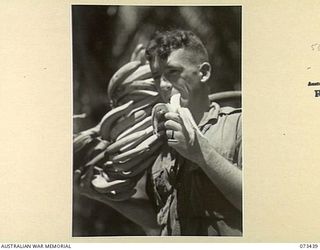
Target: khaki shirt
186,201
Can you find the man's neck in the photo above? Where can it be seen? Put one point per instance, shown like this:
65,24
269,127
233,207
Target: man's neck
198,105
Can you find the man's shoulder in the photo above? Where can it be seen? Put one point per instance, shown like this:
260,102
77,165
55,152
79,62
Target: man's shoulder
230,110
223,110
217,113
231,116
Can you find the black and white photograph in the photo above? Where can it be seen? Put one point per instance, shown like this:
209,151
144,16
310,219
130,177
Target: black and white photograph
157,120
159,124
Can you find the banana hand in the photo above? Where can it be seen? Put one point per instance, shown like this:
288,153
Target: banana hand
128,164
121,75
133,138
142,73
126,122
111,117
137,127
139,168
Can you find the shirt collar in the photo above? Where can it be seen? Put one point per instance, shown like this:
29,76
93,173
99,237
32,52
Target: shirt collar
210,115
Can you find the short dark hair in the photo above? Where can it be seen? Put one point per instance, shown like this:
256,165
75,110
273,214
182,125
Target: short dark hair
163,43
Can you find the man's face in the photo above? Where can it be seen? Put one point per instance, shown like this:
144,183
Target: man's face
178,74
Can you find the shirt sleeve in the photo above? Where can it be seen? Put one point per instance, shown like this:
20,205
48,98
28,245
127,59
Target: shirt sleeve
239,142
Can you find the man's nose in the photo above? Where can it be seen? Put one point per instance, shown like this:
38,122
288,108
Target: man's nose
165,85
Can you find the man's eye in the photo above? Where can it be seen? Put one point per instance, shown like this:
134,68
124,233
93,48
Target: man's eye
172,75
173,72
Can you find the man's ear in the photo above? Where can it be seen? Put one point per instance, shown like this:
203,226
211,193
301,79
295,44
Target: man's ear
205,71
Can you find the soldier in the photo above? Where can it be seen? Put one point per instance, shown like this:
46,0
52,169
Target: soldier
193,188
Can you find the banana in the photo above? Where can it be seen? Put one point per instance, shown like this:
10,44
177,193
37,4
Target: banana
139,168
137,95
94,150
157,115
125,122
112,116
144,103
147,84
128,165
189,124
159,110
137,127
142,84
121,75
122,196
99,182
81,141
101,146
144,92
115,147
142,147
129,145
139,54
96,160
174,102
186,117
129,154
142,73
89,150
103,185
120,175
136,52
84,138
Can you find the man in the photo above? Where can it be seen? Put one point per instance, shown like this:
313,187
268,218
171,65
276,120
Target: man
194,188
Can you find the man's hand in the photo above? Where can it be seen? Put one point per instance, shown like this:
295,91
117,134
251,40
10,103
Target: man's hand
179,138
220,171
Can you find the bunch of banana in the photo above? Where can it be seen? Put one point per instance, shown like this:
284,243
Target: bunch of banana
132,145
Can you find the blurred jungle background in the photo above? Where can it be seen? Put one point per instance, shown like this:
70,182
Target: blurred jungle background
103,38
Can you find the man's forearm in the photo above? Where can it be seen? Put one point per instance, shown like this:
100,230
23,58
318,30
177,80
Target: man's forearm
221,172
